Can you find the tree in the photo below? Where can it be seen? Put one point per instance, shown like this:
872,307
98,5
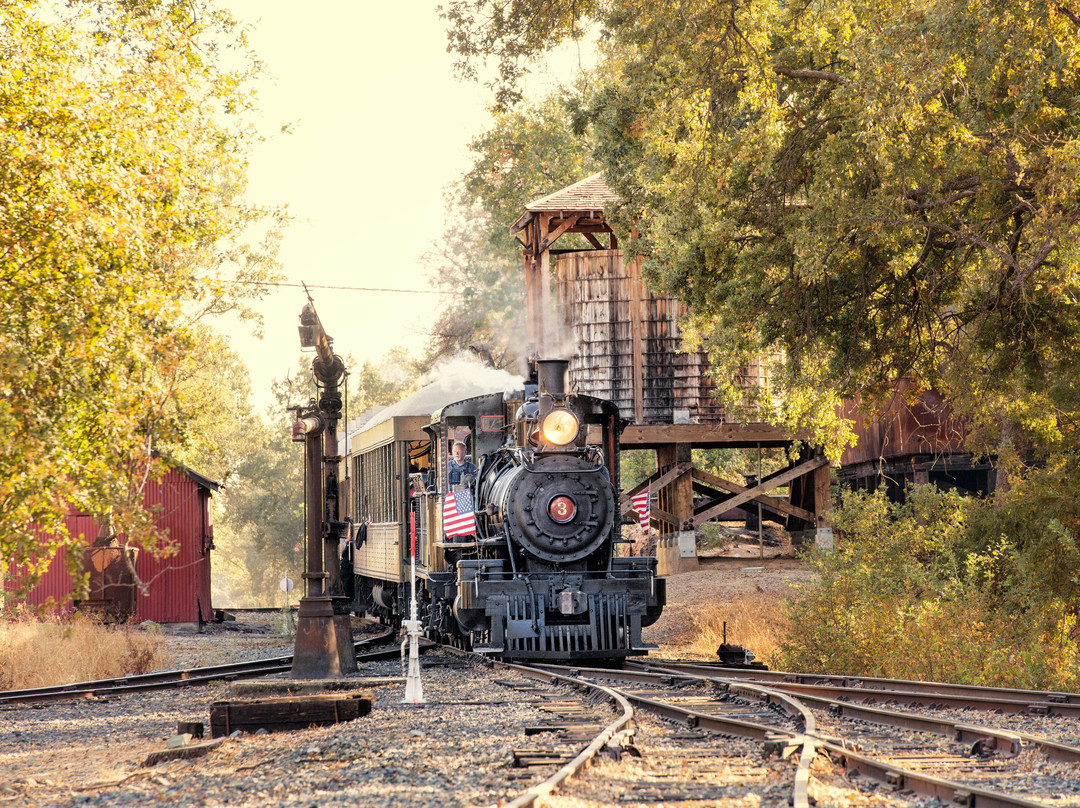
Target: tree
120,222
261,535
261,530
877,194
871,191
381,383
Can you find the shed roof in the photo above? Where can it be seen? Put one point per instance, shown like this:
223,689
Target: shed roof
590,193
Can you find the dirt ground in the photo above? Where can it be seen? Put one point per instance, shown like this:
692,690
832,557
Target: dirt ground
733,584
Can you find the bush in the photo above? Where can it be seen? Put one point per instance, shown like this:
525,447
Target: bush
941,588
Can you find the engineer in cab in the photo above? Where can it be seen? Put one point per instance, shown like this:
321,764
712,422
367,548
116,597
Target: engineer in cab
461,466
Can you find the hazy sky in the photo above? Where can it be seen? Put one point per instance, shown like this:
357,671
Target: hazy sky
379,128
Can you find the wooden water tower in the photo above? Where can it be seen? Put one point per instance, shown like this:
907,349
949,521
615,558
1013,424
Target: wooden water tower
591,306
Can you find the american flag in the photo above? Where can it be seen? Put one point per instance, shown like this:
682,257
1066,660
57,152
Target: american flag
458,516
640,501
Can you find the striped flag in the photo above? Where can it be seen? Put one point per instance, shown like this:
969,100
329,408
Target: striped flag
640,501
458,516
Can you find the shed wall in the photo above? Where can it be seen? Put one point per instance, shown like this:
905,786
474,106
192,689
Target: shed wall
179,585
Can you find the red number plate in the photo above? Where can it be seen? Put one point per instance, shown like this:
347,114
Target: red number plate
562,508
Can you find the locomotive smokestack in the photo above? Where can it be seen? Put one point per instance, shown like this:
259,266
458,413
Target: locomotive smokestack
551,376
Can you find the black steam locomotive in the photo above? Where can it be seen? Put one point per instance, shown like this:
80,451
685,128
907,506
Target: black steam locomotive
516,539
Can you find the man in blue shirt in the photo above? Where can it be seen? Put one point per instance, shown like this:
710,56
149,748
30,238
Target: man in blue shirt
460,465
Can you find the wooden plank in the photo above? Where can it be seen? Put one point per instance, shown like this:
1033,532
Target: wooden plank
636,340
593,240
652,435
776,503
285,714
768,484
189,752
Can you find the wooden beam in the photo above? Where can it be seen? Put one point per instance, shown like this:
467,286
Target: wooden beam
544,283
553,236
637,341
766,485
534,321
822,496
646,483
776,503
593,240
664,516
637,436
655,482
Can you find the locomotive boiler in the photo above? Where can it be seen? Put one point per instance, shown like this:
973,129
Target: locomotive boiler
517,538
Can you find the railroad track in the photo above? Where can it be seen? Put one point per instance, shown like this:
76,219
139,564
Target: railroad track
870,689
163,680
962,763
714,715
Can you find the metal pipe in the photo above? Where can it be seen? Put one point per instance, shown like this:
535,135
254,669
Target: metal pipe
314,484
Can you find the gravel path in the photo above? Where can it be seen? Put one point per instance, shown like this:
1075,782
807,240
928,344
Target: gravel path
455,750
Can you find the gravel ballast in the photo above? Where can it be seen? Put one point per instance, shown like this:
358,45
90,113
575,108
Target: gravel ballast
456,749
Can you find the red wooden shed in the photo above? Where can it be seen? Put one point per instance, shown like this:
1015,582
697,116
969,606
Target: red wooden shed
179,585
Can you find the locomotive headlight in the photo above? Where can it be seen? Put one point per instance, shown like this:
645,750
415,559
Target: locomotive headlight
559,427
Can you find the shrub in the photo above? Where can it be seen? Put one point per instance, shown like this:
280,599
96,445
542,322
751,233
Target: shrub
937,589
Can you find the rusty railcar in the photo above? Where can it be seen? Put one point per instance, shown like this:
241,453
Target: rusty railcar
913,439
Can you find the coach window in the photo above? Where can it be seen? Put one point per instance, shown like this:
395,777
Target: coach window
375,493
420,463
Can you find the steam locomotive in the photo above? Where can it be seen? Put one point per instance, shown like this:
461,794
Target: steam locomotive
516,547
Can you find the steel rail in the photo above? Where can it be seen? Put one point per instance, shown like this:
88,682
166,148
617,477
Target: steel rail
1008,741
896,776
965,695
990,737
162,680
586,755
868,683
723,725
901,779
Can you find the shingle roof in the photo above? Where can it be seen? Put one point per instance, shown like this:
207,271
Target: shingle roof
590,193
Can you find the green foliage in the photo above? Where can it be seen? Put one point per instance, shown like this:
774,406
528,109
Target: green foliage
120,219
516,33
866,192
905,579
635,465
